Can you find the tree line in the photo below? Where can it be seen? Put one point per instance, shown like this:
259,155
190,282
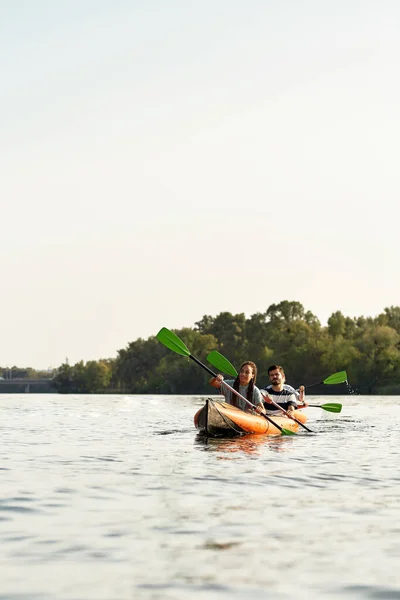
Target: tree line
368,348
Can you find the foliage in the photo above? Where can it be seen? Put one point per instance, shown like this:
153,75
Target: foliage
367,348
90,378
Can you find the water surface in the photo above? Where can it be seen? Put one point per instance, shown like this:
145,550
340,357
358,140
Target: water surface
117,498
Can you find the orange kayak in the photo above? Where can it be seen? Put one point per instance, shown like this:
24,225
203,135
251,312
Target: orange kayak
222,419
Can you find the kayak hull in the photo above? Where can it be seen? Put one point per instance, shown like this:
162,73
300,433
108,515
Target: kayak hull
219,419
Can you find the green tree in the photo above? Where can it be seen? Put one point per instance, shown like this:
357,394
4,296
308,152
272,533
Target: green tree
285,312
63,380
337,324
367,348
97,376
379,359
229,331
134,365
179,375
390,317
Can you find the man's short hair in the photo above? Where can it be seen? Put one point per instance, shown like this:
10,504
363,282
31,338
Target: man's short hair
276,367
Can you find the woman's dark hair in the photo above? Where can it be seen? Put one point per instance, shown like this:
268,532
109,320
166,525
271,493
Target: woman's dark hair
252,381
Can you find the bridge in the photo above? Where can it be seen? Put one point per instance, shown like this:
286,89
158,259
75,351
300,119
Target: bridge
26,386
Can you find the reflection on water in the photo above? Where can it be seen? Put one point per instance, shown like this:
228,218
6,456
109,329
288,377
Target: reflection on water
118,497
249,444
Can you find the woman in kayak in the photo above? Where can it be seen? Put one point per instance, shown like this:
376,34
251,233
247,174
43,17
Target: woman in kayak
282,393
244,384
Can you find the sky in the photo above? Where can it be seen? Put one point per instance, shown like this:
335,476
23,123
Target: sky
162,161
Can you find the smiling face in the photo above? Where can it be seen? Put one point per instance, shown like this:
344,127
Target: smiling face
246,374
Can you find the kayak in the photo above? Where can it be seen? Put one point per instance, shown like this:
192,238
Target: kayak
222,419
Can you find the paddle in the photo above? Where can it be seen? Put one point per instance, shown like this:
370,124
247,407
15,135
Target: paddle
329,407
174,343
220,362
339,377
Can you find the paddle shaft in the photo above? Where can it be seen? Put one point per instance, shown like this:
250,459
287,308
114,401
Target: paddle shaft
287,413
314,384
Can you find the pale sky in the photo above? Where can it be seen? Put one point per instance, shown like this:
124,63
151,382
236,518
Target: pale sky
161,161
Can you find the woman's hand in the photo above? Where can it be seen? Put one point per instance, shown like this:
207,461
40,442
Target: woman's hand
216,381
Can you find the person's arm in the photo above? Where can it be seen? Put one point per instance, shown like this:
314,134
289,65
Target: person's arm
302,396
257,400
291,407
290,404
216,381
291,389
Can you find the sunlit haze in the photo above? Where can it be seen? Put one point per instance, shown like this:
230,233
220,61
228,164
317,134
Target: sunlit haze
161,161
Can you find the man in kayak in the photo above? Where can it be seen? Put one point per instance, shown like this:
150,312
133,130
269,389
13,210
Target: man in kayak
282,393
244,384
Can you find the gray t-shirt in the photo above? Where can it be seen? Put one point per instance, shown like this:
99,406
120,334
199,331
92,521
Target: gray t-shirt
236,401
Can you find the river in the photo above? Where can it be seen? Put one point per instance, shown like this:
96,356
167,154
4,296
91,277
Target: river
117,498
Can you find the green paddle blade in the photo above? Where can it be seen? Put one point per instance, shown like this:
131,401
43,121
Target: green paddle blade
171,341
332,407
221,363
339,377
287,432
